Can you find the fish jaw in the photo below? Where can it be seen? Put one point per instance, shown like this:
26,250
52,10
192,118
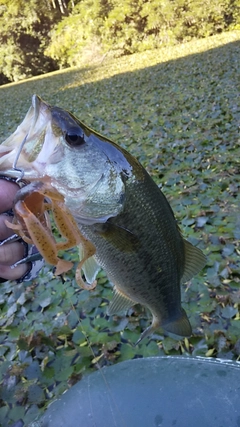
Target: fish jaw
32,132
89,175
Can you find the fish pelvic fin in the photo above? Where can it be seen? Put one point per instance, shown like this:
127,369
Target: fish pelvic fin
195,260
120,303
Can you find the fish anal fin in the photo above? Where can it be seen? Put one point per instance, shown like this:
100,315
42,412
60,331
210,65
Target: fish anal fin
195,260
120,303
179,327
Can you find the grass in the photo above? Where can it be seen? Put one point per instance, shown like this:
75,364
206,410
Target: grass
178,111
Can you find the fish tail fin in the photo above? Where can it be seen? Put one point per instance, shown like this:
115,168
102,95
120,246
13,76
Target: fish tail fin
179,327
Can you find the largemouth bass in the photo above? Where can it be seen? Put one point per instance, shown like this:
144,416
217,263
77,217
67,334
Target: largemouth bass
117,206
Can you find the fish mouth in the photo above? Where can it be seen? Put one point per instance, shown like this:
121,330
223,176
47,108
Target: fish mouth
26,151
86,174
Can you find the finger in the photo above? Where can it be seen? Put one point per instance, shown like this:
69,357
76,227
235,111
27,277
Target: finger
5,231
11,253
7,194
8,273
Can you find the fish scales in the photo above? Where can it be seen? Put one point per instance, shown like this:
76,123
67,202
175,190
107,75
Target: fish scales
152,272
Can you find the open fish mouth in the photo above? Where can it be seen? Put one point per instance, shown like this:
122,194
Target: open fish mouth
54,146
29,147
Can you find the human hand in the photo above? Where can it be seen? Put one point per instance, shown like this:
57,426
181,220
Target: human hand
9,252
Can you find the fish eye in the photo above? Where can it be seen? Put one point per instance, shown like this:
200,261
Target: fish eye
73,139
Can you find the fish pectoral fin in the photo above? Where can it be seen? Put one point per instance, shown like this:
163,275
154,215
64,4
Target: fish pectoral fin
195,260
120,303
118,236
179,327
90,267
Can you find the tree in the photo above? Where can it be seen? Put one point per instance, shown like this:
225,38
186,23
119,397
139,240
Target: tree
24,28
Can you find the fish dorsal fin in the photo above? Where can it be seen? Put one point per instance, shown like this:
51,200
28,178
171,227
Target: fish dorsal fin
90,267
195,260
120,303
180,327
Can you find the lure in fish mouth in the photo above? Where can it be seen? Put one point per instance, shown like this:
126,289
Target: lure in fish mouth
117,207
